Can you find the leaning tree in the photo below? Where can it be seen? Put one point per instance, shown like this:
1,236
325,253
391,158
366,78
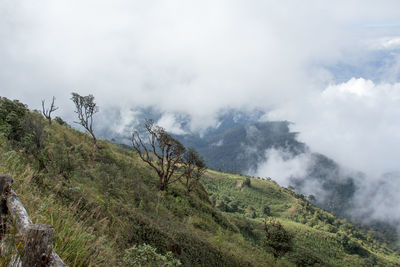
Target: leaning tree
194,167
160,151
85,108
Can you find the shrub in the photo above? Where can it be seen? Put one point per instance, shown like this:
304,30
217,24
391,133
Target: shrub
233,206
24,129
146,255
266,210
306,258
350,246
34,136
11,116
247,182
60,121
221,205
277,238
251,212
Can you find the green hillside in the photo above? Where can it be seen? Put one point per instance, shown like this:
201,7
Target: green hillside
104,204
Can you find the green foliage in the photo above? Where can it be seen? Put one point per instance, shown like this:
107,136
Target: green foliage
146,255
60,121
306,259
247,182
193,169
34,138
221,205
266,210
251,212
12,114
233,206
85,108
277,237
351,246
25,130
65,158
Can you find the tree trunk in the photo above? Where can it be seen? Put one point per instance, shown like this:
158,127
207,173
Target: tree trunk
38,245
162,185
94,138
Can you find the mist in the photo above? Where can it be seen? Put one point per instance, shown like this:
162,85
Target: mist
375,198
196,58
331,68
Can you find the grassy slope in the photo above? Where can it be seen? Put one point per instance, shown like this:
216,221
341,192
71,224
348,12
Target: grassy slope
317,233
102,202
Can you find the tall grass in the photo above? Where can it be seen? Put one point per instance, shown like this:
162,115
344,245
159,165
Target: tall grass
78,240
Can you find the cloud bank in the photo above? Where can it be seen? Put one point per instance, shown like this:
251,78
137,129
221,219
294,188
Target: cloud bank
331,67
196,58
356,123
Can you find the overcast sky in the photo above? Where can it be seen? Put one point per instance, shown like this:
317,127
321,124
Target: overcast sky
331,67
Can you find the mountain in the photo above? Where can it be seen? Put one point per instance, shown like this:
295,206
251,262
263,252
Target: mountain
106,209
240,144
240,148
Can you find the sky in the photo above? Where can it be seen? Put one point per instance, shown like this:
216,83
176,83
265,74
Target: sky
330,67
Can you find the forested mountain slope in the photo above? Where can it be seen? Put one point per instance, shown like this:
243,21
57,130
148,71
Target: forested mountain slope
104,204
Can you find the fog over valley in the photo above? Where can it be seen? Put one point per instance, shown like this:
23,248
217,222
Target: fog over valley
306,93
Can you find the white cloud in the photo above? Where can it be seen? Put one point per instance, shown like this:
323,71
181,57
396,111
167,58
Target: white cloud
358,87
378,198
386,43
356,123
219,143
188,57
283,166
168,121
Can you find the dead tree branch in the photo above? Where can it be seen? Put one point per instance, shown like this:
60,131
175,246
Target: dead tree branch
47,112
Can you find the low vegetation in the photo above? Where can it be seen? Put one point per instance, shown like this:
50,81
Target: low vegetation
107,209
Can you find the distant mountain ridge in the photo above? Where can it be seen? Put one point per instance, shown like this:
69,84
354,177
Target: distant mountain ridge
239,142
239,146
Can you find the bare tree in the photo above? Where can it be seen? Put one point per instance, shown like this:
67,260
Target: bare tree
194,168
85,108
160,151
47,112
